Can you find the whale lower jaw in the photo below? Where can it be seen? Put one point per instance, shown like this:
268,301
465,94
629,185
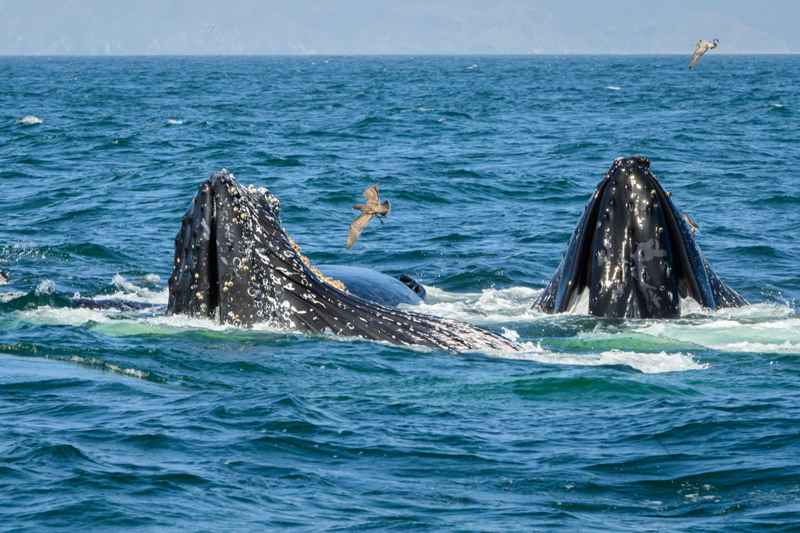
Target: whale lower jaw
235,263
579,305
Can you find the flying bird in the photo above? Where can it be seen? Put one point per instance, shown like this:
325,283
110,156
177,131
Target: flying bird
700,49
4,277
373,208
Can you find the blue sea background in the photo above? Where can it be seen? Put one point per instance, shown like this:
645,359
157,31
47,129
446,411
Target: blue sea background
134,420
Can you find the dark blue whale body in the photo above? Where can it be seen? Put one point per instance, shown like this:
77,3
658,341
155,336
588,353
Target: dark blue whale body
235,263
376,286
634,253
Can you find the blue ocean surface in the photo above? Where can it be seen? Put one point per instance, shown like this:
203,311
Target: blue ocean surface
131,419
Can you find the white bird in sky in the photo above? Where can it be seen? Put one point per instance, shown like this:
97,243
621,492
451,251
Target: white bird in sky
700,49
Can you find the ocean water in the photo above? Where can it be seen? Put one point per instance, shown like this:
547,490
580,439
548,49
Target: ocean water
130,419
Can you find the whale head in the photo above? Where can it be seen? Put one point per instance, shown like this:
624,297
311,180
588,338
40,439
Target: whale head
226,231
235,263
634,253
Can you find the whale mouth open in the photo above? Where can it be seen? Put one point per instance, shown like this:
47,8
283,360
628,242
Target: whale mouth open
634,253
235,263
208,273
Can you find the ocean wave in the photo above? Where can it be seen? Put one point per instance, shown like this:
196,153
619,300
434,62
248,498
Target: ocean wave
463,173
456,114
645,362
45,287
369,121
64,454
67,316
486,307
597,386
759,250
279,161
762,329
129,291
46,364
778,199
45,305
94,362
9,296
24,251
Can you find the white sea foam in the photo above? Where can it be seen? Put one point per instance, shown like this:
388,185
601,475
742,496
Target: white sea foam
11,295
646,362
131,292
110,367
184,322
159,325
732,331
45,287
174,122
613,88
59,367
647,345
763,327
116,322
80,316
68,316
489,306
760,347
510,334
30,120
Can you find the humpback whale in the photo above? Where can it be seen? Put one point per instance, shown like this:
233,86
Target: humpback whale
634,253
235,263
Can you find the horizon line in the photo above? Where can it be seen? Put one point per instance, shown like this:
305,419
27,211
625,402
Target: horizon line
400,54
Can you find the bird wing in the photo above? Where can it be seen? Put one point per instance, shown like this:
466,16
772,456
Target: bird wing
699,50
383,210
356,227
372,195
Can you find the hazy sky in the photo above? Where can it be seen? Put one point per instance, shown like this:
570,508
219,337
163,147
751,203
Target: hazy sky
393,27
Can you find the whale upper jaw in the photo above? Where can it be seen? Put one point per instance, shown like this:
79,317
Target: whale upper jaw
214,250
634,253
235,263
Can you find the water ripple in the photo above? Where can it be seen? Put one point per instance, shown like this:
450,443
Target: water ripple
124,418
